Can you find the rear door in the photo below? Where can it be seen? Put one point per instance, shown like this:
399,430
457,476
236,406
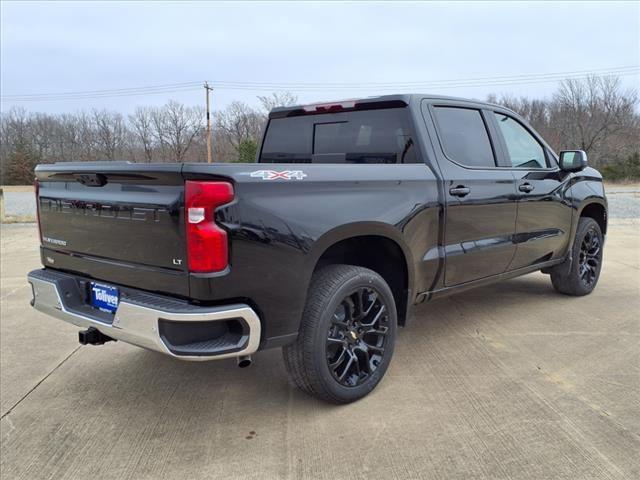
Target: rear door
544,208
480,198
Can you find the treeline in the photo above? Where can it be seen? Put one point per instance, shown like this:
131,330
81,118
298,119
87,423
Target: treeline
595,115
171,133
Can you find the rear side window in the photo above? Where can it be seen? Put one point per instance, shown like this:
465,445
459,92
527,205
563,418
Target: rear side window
524,150
287,140
464,136
371,136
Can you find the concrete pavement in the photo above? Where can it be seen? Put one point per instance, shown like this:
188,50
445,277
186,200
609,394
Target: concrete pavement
507,381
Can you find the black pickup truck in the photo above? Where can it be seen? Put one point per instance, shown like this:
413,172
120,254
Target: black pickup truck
353,212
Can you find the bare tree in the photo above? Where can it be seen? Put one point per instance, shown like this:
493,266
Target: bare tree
70,138
239,122
19,164
15,126
43,132
109,133
87,137
595,114
277,99
588,112
176,127
142,124
536,111
14,131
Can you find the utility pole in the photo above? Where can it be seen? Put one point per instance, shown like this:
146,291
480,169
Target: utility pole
207,88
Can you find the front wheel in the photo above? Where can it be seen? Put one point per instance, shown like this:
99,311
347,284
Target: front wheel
346,336
580,275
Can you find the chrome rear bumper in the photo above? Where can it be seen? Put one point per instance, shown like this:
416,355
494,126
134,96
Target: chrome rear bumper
163,324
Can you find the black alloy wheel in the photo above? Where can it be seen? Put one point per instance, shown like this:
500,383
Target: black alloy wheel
589,257
357,337
347,334
578,274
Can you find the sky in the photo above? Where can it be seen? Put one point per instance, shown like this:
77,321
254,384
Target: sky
329,50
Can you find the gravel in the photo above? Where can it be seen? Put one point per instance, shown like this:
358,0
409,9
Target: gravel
624,203
19,204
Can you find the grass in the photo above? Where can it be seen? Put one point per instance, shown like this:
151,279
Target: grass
17,188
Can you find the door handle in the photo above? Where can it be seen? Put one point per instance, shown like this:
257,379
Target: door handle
526,187
459,191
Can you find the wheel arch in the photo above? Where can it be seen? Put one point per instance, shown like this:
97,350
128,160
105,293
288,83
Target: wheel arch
596,210
378,247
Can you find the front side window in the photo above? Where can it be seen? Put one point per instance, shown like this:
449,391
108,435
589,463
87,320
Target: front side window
464,136
524,150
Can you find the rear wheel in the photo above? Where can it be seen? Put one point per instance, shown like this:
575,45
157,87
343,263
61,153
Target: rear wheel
580,275
346,336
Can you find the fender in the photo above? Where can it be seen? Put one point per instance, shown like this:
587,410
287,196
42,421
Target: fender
586,189
365,229
360,229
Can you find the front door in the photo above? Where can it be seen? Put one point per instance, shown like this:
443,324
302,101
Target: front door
544,210
480,199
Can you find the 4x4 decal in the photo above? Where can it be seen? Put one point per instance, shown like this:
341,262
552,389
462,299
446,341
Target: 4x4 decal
273,175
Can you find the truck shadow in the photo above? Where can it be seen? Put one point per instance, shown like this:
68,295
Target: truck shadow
264,384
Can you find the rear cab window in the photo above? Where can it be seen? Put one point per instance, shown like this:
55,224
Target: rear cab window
356,137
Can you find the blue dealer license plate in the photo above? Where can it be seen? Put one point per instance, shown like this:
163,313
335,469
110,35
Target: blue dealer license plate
104,297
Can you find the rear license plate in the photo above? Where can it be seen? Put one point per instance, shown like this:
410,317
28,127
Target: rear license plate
104,297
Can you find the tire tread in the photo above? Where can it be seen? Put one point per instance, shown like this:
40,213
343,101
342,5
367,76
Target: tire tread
298,356
564,278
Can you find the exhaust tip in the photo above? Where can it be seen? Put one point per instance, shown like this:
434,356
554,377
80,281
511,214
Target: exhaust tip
244,361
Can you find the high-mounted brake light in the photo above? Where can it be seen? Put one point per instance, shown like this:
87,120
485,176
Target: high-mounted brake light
330,107
340,106
207,244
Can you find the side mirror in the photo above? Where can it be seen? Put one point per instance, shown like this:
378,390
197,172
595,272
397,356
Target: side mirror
573,160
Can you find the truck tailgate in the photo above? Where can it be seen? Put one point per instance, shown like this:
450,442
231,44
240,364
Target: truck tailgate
120,212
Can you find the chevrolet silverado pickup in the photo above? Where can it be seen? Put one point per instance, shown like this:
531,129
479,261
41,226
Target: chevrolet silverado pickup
352,213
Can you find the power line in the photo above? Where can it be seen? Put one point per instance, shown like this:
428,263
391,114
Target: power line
110,90
599,71
522,79
26,98
460,84
328,84
187,86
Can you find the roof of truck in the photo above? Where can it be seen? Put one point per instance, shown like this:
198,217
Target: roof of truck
389,100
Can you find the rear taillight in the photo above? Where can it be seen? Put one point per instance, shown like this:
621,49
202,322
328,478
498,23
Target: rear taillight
36,188
207,243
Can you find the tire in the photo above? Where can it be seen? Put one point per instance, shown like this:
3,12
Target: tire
342,350
579,275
